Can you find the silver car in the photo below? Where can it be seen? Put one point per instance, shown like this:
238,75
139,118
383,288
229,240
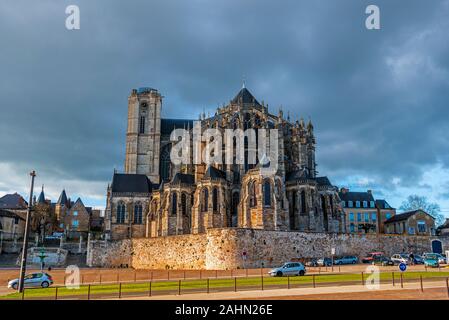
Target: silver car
346,260
33,280
288,269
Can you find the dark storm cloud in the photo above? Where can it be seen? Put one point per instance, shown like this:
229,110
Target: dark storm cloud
378,99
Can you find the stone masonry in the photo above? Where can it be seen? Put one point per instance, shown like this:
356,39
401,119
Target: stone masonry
222,248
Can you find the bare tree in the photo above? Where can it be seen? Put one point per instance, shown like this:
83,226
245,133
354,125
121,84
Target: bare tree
415,202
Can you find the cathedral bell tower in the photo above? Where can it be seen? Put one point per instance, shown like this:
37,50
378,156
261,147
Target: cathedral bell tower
143,137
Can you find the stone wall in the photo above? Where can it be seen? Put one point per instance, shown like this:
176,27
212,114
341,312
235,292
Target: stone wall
222,248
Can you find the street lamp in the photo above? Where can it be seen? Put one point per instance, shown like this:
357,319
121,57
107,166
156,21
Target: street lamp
23,264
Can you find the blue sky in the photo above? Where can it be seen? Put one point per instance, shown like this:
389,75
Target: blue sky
378,98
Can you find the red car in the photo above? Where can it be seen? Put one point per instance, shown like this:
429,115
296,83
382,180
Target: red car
370,257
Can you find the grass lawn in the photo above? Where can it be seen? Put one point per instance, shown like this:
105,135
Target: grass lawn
172,287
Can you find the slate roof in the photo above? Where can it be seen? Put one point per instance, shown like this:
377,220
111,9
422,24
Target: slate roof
13,201
167,125
183,178
296,175
356,196
10,214
403,216
214,173
41,198
383,204
245,97
62,198
323,181
130,183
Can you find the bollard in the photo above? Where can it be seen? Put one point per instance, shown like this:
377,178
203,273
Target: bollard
363,280
447,286
339,269
216,274
261,278
23,294
420,281
56,293
288,282
120,291
151,277
100,278
235,284
118,277
313,280
184,274
88,292
149,290
392,276
168,275
402,281
207,285
135,276
179,287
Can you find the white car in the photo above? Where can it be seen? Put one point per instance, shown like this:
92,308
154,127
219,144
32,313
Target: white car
400,258
288,269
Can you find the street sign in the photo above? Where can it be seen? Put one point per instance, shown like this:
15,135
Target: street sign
402,266
333,251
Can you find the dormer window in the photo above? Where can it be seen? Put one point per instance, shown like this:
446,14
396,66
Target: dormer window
365,204
350,204
357,204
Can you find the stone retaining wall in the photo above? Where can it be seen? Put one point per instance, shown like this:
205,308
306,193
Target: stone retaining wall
223,248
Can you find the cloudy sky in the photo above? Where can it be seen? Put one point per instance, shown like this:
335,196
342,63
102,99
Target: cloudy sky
378,98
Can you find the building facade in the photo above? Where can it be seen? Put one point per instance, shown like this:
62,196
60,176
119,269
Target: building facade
416,222
156,197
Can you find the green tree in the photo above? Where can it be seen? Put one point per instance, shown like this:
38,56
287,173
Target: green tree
415,202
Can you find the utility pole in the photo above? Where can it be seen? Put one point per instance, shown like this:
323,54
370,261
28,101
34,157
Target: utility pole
23,265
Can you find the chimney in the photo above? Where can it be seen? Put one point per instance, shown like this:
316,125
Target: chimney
344,190
370,191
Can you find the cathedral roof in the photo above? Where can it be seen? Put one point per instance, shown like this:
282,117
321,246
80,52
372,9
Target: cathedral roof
167,125
323,181
297,175
133,183
214,173
183,178
244,96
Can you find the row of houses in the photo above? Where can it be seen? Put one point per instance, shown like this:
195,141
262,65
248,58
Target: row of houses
70,218
365,214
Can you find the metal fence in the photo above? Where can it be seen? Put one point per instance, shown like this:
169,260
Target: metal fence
139,288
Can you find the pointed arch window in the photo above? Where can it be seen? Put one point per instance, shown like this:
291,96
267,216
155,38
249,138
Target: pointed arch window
303,201
138,213
267,193
183,204
215,200
205,202
252,194
121,212
174,206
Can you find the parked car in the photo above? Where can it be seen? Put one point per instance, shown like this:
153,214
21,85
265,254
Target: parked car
312,263
370,257
431,260
288,269
324,262
33,280
382,261
417,259
346,260
400,258
441,258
